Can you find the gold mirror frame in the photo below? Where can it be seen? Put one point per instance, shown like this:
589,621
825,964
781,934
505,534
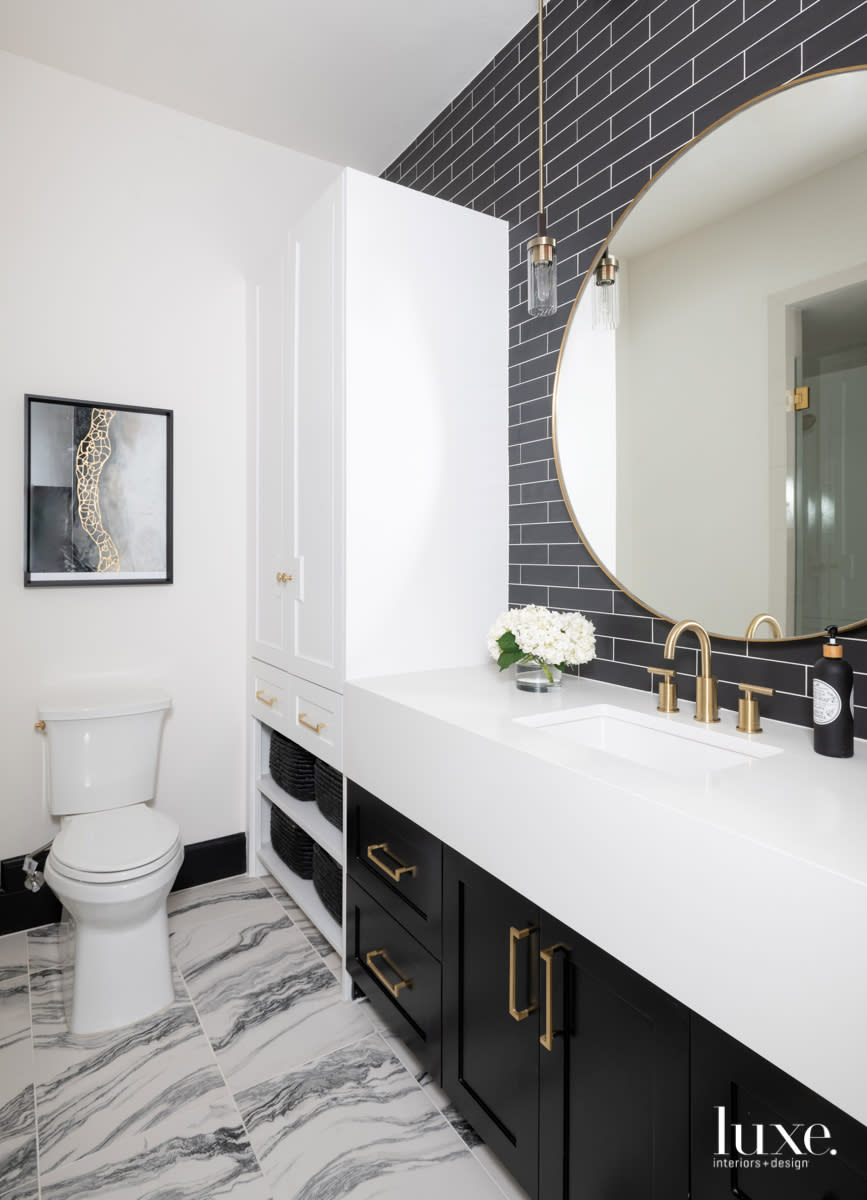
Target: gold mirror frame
728,637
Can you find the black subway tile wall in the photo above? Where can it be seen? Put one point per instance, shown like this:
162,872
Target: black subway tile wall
626,84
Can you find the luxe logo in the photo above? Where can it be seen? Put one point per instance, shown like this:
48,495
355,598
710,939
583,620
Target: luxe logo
772,1141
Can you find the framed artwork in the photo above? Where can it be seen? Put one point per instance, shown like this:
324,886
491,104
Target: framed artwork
98,493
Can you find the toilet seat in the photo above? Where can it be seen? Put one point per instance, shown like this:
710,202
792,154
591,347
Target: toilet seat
109,847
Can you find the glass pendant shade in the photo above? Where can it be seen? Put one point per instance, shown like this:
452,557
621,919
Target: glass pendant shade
541,276
606,298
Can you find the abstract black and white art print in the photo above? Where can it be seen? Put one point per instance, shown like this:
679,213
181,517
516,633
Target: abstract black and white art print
99,493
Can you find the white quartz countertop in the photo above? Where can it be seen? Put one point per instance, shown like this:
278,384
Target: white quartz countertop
742,893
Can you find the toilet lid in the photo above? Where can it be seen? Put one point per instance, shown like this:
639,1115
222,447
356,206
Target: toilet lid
136,838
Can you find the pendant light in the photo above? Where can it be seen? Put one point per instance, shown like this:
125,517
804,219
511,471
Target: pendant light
541,250
606,306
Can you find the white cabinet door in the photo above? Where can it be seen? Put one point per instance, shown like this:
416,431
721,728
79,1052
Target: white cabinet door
268,465
315,372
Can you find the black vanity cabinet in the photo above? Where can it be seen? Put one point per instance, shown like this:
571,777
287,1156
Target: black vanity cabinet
491,1012
393,921
614,1077
766,1103
573,1069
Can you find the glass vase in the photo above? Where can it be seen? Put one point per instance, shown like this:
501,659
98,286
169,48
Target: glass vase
531,677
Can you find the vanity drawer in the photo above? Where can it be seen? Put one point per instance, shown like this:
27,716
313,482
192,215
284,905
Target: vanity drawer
399,977
398,863
310,715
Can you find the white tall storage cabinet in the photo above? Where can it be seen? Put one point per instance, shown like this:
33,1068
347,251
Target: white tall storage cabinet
377,468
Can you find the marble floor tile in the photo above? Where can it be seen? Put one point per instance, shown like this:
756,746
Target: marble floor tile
17,1108
355,1124
433,1092
298,917
142,1111
265,998
18,1161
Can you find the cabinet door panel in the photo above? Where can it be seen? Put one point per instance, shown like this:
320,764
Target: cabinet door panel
267,302
411,1008
491,1060
752,1092
382,844
315,435
620,1060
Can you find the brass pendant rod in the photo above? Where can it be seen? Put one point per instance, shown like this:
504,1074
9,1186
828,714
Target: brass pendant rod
541,134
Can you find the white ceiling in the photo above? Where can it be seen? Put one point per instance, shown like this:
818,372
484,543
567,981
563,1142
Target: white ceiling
352,81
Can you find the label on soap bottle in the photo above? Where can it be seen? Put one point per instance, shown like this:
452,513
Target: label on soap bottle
827,704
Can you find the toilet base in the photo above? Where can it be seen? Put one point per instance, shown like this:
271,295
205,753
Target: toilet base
119,970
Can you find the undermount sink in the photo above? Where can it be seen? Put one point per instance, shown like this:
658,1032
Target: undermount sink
676,744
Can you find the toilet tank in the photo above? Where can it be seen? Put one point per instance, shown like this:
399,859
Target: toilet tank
103,748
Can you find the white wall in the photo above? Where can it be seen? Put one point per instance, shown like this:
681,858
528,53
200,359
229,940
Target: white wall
126,231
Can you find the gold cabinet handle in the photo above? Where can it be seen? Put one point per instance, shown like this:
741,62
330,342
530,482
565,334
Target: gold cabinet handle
260,695
547,957
402,868
282,577
391,988
515,936
317,728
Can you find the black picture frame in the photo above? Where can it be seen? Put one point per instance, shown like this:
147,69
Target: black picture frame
97,493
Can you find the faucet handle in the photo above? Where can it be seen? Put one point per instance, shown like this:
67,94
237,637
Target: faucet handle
667,689
748,707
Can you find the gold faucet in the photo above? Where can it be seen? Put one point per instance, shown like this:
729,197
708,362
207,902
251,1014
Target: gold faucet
776,631
706,707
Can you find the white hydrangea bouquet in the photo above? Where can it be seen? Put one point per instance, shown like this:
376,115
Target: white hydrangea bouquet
549,640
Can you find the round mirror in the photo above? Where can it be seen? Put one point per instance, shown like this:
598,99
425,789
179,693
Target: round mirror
712,444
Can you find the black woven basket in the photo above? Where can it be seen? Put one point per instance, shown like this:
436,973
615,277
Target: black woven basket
328,785
291,767
291,843
328,881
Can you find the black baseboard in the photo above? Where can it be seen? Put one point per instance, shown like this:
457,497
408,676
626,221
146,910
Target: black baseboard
203,863
217,859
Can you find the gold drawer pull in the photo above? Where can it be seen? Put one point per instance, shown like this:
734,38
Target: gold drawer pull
515,936
391,988
547,957
402,868
317,728
260,695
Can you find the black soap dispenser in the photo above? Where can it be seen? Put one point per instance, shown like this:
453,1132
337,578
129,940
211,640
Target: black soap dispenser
833,719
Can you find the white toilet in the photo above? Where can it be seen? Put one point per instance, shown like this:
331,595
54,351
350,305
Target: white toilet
115,858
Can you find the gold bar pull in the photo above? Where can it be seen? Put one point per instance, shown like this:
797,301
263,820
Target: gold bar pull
515,936
547,957
402,868
260,695
391,988
39,725
317,728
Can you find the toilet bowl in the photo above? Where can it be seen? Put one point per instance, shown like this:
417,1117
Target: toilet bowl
115,858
